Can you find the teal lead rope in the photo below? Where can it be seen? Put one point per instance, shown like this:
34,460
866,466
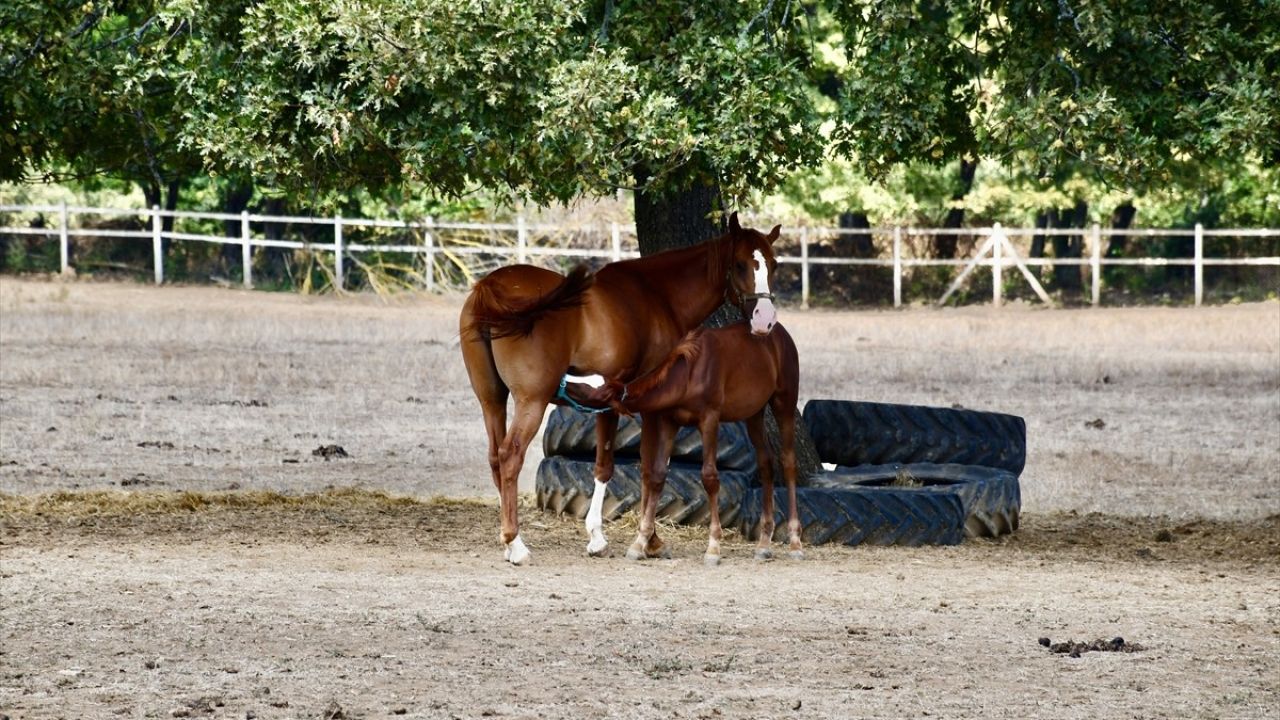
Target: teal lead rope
562,395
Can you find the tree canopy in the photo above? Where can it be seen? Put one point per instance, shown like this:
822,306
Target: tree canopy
554,99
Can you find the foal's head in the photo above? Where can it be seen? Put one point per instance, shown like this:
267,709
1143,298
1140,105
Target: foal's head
750,275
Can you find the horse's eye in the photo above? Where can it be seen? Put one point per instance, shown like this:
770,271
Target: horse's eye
742,267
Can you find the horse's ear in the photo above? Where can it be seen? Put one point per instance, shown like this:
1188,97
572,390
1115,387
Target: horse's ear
734,227
773,234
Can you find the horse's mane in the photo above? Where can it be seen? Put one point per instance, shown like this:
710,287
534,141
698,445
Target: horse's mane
688,349
718,258
495,314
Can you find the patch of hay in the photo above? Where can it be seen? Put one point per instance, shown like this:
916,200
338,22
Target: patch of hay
112,503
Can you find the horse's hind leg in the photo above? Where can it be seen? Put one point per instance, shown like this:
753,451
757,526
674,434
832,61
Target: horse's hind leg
764,465
785,413
525,424
606,433
477,356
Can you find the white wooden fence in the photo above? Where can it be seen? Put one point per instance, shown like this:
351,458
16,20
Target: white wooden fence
995,250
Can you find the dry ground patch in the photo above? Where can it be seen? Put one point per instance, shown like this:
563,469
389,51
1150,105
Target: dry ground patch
168,547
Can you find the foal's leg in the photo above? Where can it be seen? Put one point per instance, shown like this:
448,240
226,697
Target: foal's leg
655,451
709,427
785,413
764,464
528,417
606,433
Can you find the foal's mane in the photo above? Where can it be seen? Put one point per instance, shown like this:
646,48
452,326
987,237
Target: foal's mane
688,349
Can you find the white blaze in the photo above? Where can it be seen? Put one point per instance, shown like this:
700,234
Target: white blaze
596,381
765,314
762,272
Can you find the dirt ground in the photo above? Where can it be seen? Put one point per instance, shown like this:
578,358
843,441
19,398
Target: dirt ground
170,546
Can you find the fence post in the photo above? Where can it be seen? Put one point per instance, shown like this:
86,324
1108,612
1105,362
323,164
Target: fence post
63,241
157,250
431,254
337,252
522,238
615,234
997,262
1199,264
804,267
246,250
1095,262
897,266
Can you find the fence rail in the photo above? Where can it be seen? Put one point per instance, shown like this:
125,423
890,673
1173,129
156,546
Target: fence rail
994,248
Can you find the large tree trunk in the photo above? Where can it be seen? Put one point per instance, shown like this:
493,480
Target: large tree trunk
680,219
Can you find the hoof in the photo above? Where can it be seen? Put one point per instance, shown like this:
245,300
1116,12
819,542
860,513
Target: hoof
764,554
634,555
597,547
516,553
796,554
663,554
711,560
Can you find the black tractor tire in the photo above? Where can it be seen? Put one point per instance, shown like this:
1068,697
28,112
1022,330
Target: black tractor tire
570,433
992,498
864,433
565,485
863,515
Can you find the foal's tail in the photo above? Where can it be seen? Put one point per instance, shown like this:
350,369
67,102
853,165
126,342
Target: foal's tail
495,314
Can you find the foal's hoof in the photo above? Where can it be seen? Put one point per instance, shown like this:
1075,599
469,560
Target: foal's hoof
764,554
664,553
796,554
634,555
711,560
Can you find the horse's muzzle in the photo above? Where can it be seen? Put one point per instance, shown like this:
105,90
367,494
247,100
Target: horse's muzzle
763,317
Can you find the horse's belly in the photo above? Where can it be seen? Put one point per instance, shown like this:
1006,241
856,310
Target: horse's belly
743,406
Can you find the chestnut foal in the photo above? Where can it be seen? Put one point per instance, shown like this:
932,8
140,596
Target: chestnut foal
714,375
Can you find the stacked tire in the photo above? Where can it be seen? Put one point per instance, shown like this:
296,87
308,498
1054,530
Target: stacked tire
566,476
904,474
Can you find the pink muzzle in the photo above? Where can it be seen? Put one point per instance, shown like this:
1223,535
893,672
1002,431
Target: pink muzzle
763,317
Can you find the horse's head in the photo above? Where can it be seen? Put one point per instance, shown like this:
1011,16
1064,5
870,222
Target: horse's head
750,281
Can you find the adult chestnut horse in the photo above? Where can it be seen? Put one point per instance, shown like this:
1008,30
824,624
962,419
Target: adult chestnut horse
716,375
523,328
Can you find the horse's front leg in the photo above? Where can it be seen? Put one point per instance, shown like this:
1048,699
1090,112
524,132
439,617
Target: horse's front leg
655,451
764,465
606,434
527,420
709,428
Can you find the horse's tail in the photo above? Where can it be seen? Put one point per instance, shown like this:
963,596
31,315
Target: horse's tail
494,314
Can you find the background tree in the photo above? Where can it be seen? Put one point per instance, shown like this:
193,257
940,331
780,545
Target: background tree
690,105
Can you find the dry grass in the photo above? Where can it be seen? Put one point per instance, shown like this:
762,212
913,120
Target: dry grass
113,503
